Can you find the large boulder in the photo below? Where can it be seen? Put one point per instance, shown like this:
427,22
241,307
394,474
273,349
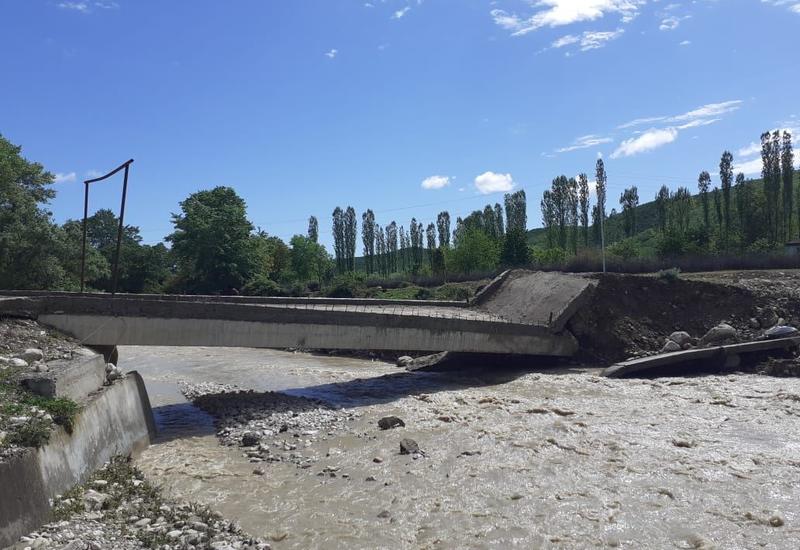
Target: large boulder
670,346
31,355
404,361
720,334
681,338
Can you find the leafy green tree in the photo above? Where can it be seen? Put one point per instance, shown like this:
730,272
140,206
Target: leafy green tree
516,211
583,200
368,239
680,210
32,247
515,250
498,220
549,217
313,229
474,251
572,213
787,174
726,179
703,185
629,200
430,236
391,246
213,242
350,232
309,260
600,182
339,240
443,228
662,207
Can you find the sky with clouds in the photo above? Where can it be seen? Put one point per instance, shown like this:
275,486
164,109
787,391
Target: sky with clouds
407,107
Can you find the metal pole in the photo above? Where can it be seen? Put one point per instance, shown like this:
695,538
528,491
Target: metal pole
83,247
119,231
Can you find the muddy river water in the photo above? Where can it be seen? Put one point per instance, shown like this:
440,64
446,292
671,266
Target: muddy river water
544,459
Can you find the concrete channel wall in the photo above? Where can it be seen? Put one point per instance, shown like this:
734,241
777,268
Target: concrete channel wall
117,420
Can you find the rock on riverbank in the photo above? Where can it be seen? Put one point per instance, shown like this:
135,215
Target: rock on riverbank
118,509
269,426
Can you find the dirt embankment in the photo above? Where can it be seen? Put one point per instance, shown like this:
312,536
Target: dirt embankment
630,315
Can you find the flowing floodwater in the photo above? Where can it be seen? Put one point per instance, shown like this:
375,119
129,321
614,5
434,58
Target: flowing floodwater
547,459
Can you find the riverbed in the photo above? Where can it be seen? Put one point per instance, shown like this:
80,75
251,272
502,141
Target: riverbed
534,458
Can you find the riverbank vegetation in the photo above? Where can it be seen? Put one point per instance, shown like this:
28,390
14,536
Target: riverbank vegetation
742,224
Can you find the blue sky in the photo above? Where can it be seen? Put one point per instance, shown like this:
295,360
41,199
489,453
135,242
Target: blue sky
407,107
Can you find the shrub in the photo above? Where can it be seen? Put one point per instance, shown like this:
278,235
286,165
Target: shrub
423,294
669,275
344,286
261,285
625,249
454,292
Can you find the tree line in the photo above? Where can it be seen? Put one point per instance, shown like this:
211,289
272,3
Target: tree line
480,242
738,217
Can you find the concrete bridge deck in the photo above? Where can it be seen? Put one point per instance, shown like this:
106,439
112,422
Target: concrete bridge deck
519,313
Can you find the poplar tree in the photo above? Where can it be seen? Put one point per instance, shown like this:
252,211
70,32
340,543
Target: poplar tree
662,206
600,187
787,174
391,246
313,229
583,200
572,205
368,239
430,234
726,179
681,209
703,185
629,200
339,239
443,227
350,231
498,219
548,217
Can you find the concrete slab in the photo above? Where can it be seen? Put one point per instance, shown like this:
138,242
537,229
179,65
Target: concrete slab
74,379
718,354
546,299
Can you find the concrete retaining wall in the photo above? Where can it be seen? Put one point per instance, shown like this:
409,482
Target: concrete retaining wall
116,421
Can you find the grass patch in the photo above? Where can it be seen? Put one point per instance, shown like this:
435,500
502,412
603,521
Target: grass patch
17,401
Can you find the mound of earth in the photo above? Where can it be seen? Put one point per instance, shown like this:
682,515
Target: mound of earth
630,315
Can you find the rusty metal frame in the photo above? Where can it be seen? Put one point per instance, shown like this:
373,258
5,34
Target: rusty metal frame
124,166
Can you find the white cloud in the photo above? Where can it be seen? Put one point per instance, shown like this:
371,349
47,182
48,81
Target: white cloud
84,6
589,40
752,149
584,142
794,5
685,43
93,173
698,122
435,182
707,111
594,40
748,167
566,41
671,22
557,13
491,182
649,140
401,12
331,53
65,177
